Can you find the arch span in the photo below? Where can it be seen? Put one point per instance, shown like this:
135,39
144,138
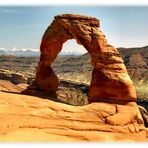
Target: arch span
110,80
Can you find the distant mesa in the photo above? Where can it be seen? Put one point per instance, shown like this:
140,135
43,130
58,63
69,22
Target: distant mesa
110,81
136,60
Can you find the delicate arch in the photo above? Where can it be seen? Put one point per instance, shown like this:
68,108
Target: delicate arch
110,80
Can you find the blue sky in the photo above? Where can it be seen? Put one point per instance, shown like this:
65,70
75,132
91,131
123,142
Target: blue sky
23,27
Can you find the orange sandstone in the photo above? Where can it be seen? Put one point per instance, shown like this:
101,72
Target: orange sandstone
110,80
32,119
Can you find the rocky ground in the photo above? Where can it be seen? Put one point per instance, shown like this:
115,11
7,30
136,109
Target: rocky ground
67,124
36,119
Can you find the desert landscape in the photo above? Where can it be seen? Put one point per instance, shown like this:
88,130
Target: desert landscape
98,96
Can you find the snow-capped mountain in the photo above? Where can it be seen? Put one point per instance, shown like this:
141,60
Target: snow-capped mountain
70,53
20,52
30,52
3,51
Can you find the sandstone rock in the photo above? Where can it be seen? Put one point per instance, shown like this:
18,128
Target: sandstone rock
110,80
12,76
144,114
137,61
32,119
7,86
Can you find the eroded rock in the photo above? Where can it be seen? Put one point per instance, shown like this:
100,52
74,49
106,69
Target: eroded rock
110,81
14,77
144,114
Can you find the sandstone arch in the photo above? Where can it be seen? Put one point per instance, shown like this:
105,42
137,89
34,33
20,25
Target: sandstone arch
110,80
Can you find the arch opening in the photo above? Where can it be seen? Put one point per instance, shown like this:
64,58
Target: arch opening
73,69
71,47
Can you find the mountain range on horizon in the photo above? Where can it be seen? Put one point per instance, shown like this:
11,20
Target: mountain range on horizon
30,52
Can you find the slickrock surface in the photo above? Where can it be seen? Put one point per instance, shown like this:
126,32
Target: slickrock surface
7,86
27,118
110,81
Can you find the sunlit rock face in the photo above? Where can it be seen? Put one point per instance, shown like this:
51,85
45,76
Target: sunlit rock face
40,119
110,81
34,119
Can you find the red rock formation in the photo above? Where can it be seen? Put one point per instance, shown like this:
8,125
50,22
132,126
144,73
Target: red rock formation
110,80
